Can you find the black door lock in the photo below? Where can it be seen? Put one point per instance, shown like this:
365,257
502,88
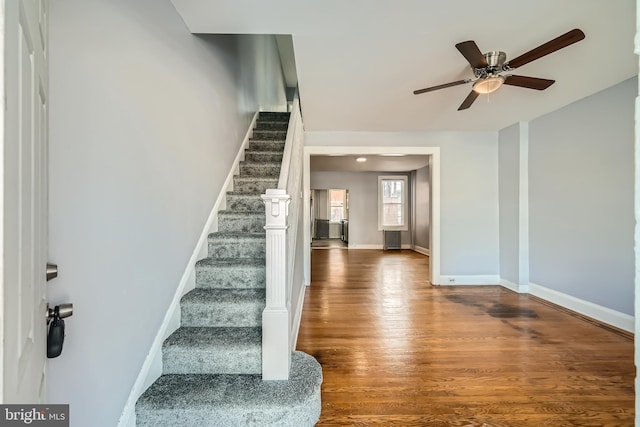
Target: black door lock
55,337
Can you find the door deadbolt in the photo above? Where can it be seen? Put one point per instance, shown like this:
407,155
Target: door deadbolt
52,271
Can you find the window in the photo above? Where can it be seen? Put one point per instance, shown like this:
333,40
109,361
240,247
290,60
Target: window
337,199
392,203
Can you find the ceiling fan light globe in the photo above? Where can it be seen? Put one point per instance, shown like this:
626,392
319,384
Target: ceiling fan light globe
488,85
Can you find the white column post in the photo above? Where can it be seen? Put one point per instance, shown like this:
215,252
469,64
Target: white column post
276,357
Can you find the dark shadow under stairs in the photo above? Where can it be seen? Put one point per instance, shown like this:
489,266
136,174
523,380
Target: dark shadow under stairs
212,364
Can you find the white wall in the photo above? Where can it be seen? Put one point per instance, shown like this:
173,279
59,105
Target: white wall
145,122
509,179
363,204
422,207
469,191
581,198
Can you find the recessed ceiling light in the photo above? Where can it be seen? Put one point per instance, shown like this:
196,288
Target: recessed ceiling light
361,159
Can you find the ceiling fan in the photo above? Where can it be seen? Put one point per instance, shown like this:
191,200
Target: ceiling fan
487,68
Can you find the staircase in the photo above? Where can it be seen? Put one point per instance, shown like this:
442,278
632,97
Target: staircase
212,363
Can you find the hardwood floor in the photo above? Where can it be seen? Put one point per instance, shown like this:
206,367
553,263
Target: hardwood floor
396,351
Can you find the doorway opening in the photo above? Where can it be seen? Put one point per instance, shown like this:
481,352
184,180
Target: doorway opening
330,218
357,238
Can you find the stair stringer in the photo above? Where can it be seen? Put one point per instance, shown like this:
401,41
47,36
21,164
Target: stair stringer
151,369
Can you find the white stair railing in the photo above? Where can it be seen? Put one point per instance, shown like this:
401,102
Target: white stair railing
283,209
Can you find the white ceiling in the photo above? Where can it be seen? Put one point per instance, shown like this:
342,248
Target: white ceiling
358,61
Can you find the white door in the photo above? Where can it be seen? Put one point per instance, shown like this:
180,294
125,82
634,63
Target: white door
24,202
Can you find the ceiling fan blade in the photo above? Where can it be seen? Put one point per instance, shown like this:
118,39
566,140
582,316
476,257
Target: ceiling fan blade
528,82
551,46
432,88
468,100
470,51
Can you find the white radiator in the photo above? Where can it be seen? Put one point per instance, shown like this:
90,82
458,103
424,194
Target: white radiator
391,240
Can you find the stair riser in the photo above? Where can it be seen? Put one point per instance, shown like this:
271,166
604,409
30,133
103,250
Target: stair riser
245,314
262,145
259,170
241,224
277,135
224,277
273,116
243,249
237,202
266,157
272,125
249,185
177,360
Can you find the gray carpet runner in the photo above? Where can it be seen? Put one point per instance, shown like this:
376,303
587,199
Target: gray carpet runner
212,364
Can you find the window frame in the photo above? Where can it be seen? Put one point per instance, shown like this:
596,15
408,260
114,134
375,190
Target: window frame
405,183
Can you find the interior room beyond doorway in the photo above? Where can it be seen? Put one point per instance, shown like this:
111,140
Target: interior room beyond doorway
330,218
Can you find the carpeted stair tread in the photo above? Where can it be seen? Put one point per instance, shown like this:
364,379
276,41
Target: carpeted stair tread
263,156
240,213
234,273
250,184
237,245
241,221
272,125
270,146
246,194
219,235
213,262
259,169
274,115
238,201
234,400
269,134
205,350
223,307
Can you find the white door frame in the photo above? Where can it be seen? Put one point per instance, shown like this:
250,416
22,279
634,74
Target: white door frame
23,200
434,237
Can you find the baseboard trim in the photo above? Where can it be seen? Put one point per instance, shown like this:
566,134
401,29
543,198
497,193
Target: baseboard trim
478,279
521,289
297,317
602,314
366,247
152,366
378,247
421,250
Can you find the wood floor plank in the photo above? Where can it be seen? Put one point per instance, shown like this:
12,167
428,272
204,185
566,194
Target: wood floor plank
397,351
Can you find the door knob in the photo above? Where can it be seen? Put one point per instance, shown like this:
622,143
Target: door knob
62,311
55,336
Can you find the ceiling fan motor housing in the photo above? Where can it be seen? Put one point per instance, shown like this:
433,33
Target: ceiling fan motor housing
495,60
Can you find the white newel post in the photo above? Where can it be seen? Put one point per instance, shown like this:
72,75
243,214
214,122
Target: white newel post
276,357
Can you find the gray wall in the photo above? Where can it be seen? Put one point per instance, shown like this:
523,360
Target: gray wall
422,207
509,175
581,198
363,203
145,122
